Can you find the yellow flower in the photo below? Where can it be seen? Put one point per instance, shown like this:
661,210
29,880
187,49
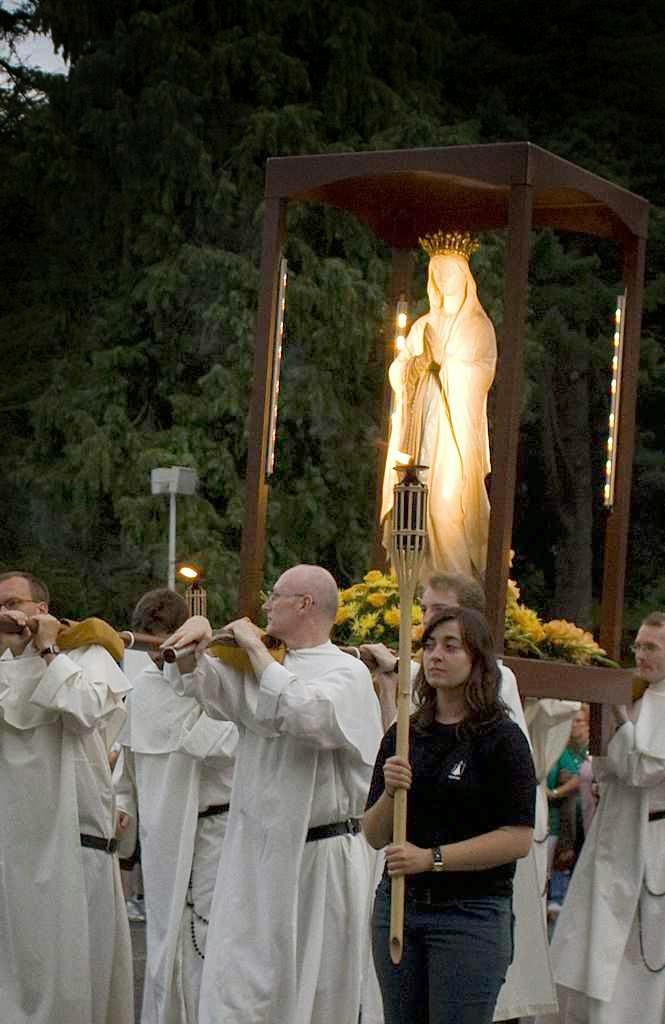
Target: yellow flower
391,617
513,594
416,614
417,631
359,590
346,595
374,576
572,642
344,613
366,623
377,600
563,631
526,622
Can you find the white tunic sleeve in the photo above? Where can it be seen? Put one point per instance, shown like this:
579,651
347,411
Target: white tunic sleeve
224,692
86,689
126,800
635,767
332,711
124,782
207,739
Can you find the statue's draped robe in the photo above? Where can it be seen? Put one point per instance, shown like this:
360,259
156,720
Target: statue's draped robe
440,381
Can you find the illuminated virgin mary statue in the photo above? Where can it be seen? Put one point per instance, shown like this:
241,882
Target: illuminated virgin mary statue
440,381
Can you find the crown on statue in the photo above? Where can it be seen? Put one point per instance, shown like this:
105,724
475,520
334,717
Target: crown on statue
449,243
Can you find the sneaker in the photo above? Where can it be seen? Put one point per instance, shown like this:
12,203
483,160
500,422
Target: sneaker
135,911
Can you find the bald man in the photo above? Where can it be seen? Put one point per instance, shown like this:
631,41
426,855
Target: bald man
288,928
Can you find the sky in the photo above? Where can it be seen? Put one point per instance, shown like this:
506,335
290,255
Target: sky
35,50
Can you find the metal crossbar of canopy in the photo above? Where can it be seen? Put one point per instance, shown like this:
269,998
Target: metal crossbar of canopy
402,195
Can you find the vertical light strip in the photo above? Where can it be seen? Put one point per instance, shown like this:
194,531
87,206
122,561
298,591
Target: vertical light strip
615,400
401,320
276,366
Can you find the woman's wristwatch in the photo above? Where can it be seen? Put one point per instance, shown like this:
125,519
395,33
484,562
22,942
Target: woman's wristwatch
437,858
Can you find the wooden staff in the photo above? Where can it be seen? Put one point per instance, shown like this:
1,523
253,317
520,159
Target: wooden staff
409,541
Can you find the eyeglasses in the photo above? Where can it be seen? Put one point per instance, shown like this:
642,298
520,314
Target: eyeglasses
646,646
273,595
13,604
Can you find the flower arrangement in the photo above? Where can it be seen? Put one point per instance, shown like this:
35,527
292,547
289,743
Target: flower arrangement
558,640
369,613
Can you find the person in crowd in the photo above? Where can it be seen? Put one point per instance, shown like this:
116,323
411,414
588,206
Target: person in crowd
65,951
566,823
608,948
470,818
549,722
288,926
176,770
529,987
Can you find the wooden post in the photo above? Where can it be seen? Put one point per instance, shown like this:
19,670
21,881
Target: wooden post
252,551
509,403
616,530
408,546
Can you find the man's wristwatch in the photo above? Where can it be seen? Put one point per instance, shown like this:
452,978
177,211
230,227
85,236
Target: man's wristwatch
49,649
437,859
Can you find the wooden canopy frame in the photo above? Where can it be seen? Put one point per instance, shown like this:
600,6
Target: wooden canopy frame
402,195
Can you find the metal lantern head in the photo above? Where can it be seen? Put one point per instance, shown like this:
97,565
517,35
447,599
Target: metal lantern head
196,597
409,526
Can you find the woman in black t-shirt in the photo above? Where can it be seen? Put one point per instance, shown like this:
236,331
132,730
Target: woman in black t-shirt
470,815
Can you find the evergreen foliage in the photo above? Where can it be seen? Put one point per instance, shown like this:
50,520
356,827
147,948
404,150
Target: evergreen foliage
132,198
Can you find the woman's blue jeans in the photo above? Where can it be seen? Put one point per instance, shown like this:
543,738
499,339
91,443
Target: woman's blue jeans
456,956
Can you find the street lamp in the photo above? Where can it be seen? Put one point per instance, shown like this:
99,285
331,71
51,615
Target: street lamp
172,481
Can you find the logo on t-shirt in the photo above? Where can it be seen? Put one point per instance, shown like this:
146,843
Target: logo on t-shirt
456,771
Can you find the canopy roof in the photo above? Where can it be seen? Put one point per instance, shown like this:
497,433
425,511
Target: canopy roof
404,194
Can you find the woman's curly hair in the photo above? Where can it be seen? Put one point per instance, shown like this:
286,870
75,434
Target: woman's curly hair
482,703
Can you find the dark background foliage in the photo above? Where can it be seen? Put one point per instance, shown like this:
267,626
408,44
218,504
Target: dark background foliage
131,205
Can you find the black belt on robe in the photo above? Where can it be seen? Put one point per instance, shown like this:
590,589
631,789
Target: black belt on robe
656,815
99,843
349,827
214,809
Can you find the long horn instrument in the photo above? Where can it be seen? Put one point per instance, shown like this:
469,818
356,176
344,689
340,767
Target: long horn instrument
150,642
141,641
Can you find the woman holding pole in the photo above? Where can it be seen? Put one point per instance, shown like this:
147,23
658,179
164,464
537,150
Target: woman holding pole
471,796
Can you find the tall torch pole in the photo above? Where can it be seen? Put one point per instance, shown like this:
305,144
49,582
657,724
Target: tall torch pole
409,541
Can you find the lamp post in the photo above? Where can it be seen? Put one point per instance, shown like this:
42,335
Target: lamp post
409,542
172,481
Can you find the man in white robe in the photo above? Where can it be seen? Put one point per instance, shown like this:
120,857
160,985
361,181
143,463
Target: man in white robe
65,950
288,932
609,943
529,986
175,770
